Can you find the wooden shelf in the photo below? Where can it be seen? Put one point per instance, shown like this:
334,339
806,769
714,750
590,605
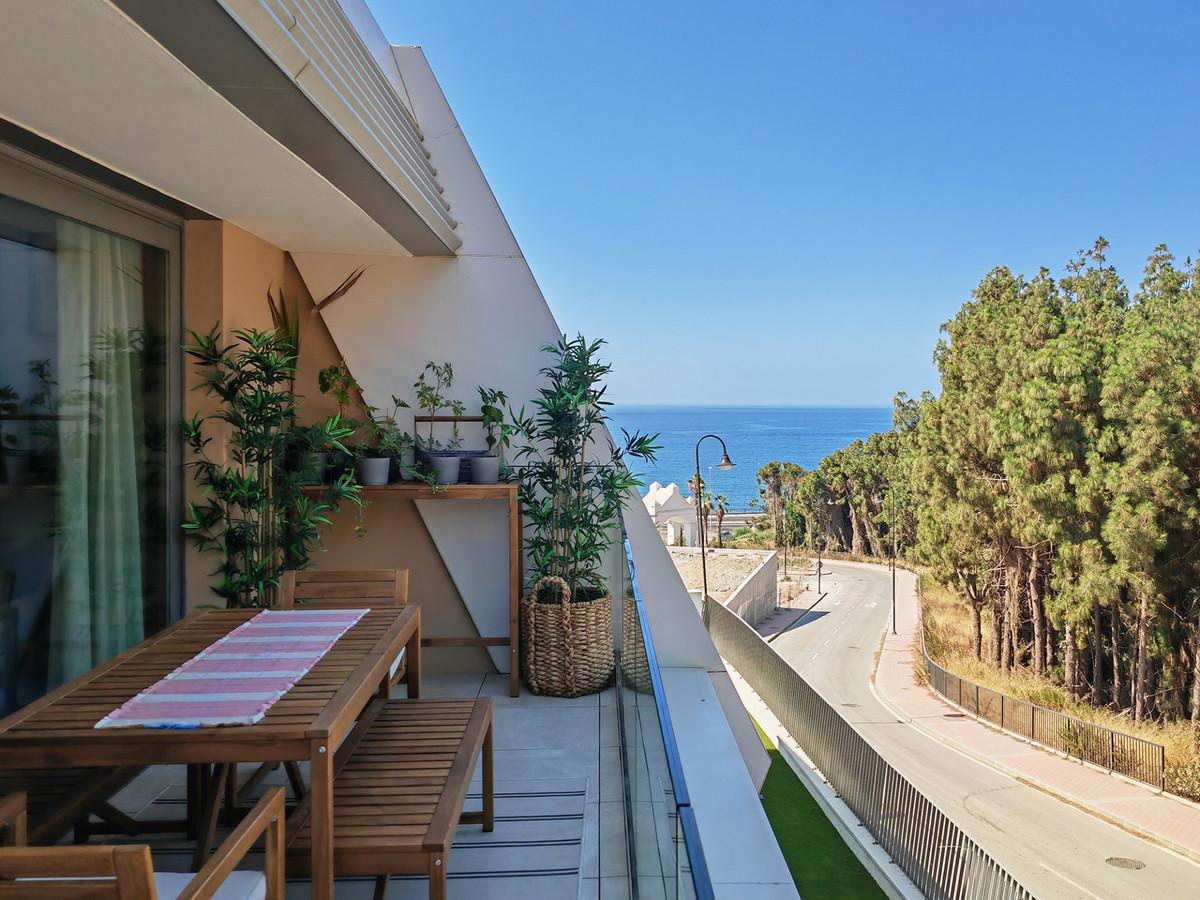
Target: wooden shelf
415,490
507,491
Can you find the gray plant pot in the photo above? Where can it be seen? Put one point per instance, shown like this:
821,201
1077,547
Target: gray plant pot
445,468
406,465
485,469
373,470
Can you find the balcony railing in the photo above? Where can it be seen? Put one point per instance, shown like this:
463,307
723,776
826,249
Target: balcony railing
666,857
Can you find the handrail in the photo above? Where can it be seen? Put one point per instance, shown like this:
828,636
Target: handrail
1126,754
683,803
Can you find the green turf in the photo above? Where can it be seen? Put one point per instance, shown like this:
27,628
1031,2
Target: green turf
822,865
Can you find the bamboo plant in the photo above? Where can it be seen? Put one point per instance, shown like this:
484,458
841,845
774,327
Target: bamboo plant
573,476
255,513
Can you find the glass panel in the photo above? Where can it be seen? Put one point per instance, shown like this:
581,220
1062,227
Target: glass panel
659,827
83,447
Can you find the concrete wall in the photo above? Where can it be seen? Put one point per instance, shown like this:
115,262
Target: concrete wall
757,596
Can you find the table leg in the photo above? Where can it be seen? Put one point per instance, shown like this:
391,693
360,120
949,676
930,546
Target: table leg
195,799
412,659
321,798
213,793
489,784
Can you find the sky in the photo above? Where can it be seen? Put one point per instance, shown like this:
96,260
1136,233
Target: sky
804,192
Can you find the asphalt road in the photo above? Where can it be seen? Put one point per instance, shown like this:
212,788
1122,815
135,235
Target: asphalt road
1053,849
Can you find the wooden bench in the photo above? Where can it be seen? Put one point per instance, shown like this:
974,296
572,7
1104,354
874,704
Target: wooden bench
400,782
58,800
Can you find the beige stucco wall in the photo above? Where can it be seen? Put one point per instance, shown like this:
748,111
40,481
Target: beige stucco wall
227,273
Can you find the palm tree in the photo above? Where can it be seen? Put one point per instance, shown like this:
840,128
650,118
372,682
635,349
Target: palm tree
722,507
705,511
696,488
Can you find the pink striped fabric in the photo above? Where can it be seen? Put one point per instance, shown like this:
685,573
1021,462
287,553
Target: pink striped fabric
241,676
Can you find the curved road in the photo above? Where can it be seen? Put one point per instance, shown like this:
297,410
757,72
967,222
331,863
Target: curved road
1052,848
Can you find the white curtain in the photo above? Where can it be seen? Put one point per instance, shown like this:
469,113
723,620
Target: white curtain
97,607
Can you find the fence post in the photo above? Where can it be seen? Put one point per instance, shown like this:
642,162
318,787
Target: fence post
1112,740
1001,710
977,712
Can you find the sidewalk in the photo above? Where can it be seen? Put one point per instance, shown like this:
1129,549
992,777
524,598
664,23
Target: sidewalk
1164,819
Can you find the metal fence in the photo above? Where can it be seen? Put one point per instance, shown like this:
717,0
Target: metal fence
1132,756
932,851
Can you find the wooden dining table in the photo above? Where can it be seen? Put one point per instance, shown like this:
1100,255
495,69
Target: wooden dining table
306,724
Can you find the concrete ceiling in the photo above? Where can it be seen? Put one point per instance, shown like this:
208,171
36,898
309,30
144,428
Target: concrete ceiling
85,76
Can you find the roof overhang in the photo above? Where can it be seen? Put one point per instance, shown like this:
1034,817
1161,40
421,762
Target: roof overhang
89,77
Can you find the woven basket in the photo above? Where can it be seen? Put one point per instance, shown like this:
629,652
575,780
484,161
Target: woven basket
566,647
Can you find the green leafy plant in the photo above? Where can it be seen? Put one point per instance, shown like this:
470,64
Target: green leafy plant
496,428
572,498
430,387
255,513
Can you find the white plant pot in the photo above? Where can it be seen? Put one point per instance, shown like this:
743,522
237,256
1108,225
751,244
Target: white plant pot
485,469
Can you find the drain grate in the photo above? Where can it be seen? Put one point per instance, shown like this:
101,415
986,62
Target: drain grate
851,705
954,715
1124,862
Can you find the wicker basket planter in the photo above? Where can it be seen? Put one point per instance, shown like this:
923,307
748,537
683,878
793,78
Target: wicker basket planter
566,647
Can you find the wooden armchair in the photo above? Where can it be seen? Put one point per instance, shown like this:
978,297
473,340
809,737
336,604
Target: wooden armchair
125,871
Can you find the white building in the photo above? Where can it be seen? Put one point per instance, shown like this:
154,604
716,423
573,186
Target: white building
232,146
673,514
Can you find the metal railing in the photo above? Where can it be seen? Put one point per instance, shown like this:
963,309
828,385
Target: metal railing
940,859
1134,757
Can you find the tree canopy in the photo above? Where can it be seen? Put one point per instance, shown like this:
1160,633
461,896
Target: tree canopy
1053,482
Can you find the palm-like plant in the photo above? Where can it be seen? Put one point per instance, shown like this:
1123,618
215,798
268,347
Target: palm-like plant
572,500
255,513
720,508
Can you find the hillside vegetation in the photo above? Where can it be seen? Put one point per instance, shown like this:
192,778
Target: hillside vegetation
1053,484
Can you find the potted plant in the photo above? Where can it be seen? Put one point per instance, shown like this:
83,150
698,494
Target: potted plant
498,432
572,498
255,512
443,460
346,390
400,446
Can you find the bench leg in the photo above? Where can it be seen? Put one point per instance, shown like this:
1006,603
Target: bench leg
489,788
381,886
437,877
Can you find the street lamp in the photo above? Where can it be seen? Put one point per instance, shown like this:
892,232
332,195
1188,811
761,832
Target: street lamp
724,465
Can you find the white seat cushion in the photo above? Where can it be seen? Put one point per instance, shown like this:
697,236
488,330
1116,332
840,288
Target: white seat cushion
240,885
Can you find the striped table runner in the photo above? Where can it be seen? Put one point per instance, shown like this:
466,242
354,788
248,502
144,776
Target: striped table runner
241,676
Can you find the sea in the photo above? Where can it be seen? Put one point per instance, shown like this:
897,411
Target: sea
755,435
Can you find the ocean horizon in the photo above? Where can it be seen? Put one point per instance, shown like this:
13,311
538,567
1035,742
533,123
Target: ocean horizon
755,436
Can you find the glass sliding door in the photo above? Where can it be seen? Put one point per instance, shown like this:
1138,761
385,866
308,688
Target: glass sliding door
85,413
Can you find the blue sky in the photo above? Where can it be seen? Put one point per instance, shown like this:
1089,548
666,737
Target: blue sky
806,191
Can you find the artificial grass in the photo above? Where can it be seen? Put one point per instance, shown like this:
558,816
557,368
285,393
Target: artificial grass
821,864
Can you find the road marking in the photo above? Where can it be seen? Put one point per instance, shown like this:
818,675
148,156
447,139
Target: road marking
1074,884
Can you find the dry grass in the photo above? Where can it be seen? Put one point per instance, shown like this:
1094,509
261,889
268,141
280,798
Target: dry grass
948,640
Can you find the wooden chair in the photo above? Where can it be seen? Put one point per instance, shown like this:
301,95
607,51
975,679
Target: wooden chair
328,589
123,872
346,589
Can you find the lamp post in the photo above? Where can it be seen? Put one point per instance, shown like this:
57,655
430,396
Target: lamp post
724,465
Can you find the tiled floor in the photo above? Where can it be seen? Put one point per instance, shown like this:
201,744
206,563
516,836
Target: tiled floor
560,823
